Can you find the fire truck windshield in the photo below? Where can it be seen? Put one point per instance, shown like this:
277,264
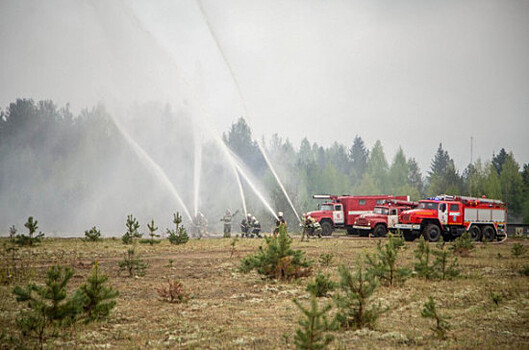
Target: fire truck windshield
428,205
383,211
326,207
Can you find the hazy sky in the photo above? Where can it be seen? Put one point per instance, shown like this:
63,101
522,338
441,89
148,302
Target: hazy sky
410,73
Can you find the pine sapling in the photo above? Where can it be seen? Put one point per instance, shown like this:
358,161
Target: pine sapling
383,264
48,306
314,327
92,235
32,226
326,259
463,244
354,311
179,235
441,324
12,233
445,268
94,298
132,264
423,267
132,230
517,250
321,286
152,233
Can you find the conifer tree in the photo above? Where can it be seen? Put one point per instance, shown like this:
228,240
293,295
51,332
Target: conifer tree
152,233
321,286
179,235
132,230
132,264
354,311
92,235
441,324
48,306
30,239
312,334
94,297
424,267
445,268
383,264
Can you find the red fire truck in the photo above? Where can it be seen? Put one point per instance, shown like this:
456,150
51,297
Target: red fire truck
341,211
382,218
450,216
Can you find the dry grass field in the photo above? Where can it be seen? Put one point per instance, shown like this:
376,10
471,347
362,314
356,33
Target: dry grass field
231,310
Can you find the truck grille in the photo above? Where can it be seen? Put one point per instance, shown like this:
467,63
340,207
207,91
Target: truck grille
405,217
361,221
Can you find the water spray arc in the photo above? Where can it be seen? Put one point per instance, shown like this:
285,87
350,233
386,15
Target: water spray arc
243,101
153,166
197,166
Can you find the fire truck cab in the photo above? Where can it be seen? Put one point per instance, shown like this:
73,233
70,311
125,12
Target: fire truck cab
383,217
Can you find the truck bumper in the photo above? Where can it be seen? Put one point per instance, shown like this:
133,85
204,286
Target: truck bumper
409,231
364,228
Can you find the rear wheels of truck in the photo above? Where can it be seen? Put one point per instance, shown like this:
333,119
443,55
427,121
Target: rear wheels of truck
475,233
380,231
432,232
489,233
326,228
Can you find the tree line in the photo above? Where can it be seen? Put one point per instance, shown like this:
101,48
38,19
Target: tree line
70,169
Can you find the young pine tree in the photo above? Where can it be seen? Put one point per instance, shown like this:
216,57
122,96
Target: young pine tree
383,264
92,235
94,297
424,267
32,227
446,269
152,233
48,306
441,325
354,311
132,230
179,235
321,286
312,333
132,264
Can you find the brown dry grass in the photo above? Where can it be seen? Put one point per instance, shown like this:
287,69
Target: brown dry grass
230,310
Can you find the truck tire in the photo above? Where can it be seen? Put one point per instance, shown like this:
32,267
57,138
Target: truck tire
489,233
380,231
409,236
432,233
326,228
475,233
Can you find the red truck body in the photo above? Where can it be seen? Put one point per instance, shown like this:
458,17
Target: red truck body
383,218
450,216
341,211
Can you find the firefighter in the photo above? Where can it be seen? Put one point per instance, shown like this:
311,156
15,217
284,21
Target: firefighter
256,228
310,228
227,222
245,225
279,221
200,225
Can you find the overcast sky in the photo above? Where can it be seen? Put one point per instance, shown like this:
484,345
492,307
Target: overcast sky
412,73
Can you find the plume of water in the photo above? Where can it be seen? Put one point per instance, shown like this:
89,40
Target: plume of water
243,101
152,166
197,165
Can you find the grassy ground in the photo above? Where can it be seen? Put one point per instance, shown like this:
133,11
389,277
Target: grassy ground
230,310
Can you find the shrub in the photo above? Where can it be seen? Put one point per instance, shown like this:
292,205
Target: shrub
94,298
179,235
321,286
354,311
92,235
463,244
383,264
30,239
132,230
278,260
173,292
132,264
314,326
48,305
518,250
441,324
326,259
423,267
445,269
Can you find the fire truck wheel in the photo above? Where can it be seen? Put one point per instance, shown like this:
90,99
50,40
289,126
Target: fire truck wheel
432,233
475,233
326,228
380,231
408,236
488,233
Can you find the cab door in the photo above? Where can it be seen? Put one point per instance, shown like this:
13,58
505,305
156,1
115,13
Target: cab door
393,217
442,213
337,214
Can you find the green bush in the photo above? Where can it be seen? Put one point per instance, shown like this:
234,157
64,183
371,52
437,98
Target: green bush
441,324
321,286
92,235
383,264
179,235
326,259
30,239
132,264
518,250
278,260
132,230
312,333
463,245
